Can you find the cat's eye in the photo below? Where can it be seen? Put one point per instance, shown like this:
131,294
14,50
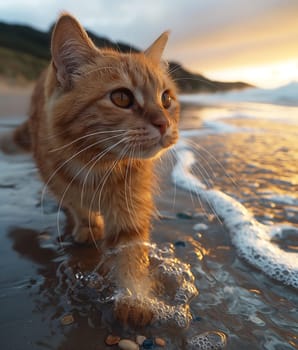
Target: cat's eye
122,98
166,99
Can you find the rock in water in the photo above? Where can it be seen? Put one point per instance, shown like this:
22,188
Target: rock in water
112,339
184,215
160,342
200,227
67,320
127,344
148,344
140,339
180,244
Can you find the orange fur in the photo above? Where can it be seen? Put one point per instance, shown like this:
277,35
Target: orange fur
105,180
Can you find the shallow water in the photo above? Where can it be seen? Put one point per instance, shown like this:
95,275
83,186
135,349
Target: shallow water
45,277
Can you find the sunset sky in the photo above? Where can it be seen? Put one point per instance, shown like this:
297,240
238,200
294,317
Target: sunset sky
255,41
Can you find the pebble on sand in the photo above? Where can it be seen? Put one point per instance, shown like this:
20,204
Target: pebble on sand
127,344
112,339
200,227
180,244
148,344
140,339
67,320
160,342
184,215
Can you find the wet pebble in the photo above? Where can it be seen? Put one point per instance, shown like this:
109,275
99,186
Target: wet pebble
184,215
140,339
7,186
200,227
160,342
212,217
148,344
255,319
44,237
67,320
199,215
163,215
112,339
127,344
180,244
197,318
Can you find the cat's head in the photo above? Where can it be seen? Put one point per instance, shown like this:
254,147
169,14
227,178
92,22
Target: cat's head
123,104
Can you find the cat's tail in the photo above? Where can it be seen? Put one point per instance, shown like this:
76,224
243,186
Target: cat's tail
18,141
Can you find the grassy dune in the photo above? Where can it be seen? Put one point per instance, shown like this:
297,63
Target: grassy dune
19,66
25,52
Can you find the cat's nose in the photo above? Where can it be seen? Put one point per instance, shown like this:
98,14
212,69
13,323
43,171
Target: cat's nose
161,123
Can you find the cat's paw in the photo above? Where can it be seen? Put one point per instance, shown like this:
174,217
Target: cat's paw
133,311
87,234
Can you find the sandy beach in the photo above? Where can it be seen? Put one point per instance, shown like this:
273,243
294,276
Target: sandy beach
191,245
14,100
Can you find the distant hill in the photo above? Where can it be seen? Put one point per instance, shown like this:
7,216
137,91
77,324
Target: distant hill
25,52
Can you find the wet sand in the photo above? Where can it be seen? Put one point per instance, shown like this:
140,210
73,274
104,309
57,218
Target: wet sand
37,266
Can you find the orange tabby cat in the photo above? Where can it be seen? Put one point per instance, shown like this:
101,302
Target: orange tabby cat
98,120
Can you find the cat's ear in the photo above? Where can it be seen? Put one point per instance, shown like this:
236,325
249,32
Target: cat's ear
155,51
71,48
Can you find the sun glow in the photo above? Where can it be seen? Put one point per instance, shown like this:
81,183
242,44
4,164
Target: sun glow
265,75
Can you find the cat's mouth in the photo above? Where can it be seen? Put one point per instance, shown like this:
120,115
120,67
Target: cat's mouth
151,147
145,142
147,145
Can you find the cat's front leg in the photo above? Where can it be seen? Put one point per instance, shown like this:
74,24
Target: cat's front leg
129,264
88,226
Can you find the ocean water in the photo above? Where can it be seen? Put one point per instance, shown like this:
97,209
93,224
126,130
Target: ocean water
254,239
242,163
224,250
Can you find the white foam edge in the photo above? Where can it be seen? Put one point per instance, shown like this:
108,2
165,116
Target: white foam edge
252,239
282,199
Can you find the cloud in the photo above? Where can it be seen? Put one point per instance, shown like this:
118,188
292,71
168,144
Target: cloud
270,34
208,34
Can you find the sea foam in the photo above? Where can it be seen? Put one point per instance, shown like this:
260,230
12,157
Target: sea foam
252,239
284,95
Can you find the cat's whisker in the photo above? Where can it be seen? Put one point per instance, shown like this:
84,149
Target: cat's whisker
207,176
67,161
174,70
203,173
197,193
90,169
126,183
91,209
94,159
86,136
130,163
171,157
199,148
191,189
101,186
